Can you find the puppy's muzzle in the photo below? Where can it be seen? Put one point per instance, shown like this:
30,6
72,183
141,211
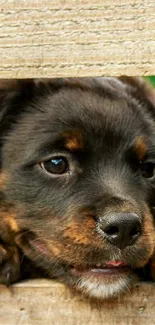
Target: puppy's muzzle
121,229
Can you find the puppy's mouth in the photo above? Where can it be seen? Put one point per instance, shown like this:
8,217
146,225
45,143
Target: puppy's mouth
111,268
108,270
103,281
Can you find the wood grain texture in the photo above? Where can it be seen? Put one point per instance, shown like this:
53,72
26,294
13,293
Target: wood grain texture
62,38
41,302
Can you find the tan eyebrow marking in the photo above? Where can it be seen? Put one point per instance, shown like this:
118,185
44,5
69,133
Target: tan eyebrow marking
140,147
73,140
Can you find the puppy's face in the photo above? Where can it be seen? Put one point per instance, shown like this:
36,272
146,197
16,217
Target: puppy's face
78,161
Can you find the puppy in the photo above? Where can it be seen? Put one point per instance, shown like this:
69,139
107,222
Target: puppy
77,181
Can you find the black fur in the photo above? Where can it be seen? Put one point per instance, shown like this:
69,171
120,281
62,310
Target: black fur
58,218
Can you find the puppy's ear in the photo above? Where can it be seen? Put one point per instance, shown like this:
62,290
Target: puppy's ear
13,94
141,90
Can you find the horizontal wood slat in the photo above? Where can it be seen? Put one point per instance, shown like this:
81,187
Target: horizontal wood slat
39,302
61,38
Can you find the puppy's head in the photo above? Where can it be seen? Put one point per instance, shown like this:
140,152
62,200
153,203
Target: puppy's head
77,167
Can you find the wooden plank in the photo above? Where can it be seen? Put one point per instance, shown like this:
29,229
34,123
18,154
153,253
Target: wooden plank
62,38
39,302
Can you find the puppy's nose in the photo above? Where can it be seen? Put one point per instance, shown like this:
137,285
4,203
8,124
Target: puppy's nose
121,229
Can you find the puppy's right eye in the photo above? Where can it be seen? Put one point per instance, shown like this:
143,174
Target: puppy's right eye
56,165
147,169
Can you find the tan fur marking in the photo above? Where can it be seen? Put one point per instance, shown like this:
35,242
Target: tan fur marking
79,235
55,249
148,237
12,224
73,140
140,148
8,225
3,179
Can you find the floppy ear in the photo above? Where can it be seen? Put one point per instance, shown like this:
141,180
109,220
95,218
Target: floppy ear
13,95
6,88
141,90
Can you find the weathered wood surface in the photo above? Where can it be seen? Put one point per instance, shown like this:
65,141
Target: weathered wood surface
40,302
62,38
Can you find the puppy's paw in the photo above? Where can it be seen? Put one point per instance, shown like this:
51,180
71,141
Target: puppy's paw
9,264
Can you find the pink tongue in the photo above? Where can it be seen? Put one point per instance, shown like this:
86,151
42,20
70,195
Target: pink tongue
115,264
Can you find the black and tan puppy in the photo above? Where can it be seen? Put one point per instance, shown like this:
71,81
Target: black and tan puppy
77,180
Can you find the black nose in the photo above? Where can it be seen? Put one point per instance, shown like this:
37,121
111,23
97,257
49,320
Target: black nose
121,229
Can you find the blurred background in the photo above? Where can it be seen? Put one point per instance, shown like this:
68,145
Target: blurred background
151,79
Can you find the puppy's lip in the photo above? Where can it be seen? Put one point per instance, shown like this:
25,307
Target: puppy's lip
101,270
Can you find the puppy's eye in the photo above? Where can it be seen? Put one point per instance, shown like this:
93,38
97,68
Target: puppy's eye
147,169
56,165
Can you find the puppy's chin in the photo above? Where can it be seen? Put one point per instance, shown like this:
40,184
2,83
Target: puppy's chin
101,290
104,288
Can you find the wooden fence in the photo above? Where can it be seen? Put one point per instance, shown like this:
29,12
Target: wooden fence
58,38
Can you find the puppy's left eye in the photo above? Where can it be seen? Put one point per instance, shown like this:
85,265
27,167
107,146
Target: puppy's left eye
56,165
147,169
